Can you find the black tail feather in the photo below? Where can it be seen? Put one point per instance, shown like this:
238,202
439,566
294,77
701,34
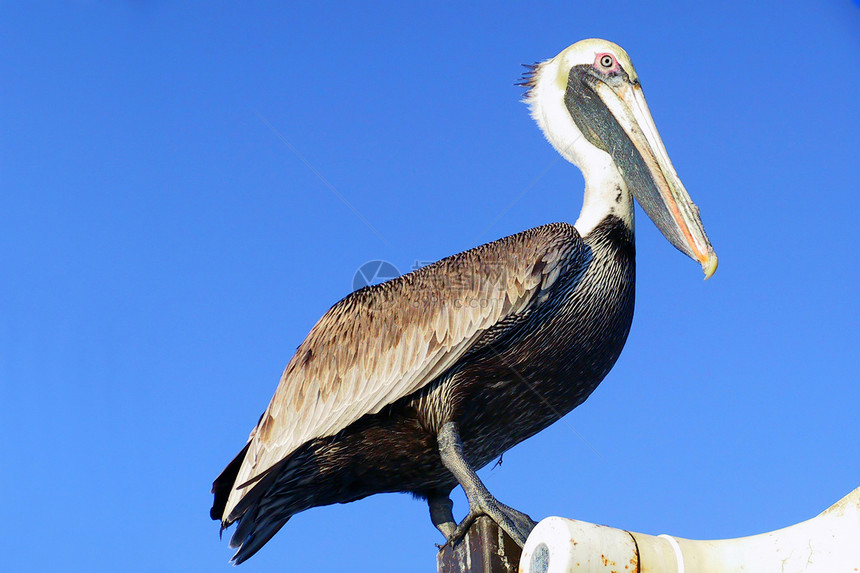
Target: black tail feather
224,483
270,500
262,533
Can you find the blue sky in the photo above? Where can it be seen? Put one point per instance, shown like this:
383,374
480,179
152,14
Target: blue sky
163,252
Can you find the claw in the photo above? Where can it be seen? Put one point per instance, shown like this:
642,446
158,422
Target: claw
516,524
462,528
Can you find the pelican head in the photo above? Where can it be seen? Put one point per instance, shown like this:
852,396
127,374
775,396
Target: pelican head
589,104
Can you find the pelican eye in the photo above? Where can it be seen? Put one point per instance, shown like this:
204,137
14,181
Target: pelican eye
607,61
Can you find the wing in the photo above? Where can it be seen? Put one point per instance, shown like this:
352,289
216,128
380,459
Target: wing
384,342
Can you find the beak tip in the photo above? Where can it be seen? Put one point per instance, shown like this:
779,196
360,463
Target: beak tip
709,265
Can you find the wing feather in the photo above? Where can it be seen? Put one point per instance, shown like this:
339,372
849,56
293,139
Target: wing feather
385,342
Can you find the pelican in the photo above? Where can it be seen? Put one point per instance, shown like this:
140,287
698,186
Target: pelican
413,384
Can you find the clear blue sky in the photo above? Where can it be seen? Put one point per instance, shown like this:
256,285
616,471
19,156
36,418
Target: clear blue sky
163,252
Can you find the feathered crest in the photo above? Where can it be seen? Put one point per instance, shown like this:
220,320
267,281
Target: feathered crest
528,78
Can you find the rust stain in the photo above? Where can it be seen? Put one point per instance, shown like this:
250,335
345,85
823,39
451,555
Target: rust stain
604,559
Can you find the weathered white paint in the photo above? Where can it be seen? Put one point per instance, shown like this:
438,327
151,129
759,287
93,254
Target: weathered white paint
828,543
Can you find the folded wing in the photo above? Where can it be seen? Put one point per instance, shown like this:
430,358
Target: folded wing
384,342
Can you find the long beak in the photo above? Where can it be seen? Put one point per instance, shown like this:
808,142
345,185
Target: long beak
651,177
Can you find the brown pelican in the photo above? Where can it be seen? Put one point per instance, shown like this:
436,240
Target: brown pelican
413,384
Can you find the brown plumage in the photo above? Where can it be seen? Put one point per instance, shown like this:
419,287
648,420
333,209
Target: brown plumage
483,338
411,385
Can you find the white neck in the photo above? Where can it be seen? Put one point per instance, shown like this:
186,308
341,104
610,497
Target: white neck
606,192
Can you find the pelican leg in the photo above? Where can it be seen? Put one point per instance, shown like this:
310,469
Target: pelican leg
481,502
441,514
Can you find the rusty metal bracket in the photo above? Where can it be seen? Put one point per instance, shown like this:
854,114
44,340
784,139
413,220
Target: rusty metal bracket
484,549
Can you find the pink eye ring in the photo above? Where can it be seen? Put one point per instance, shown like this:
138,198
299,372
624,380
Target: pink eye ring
605,61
